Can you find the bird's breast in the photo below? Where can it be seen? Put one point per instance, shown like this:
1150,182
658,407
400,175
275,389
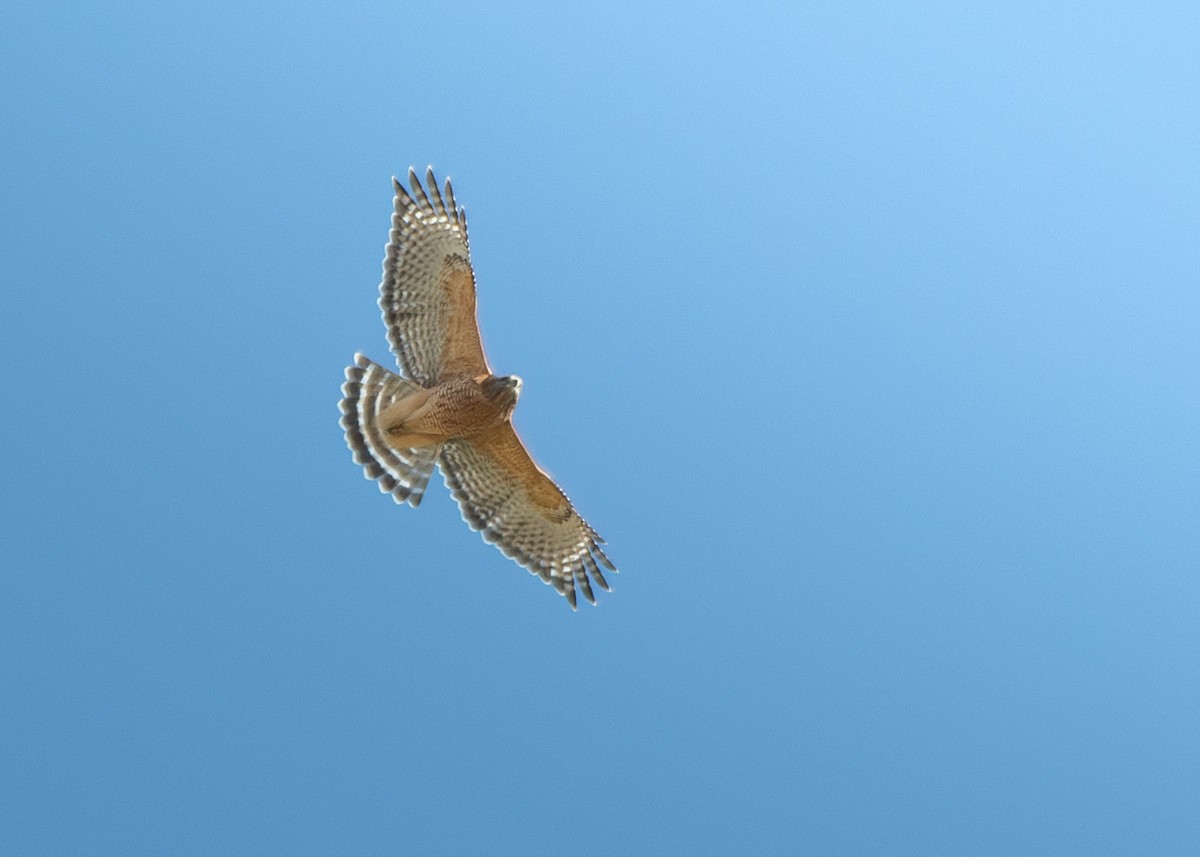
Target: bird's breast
458,409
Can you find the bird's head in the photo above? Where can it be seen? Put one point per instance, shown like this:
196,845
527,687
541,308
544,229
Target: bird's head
506,389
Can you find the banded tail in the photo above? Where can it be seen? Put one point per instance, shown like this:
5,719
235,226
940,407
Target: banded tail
368,391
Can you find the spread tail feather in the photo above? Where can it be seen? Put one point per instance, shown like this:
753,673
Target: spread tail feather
368,391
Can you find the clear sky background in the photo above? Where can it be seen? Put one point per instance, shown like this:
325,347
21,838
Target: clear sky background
868,336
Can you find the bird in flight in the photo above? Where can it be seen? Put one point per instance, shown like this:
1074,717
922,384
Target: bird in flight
449,409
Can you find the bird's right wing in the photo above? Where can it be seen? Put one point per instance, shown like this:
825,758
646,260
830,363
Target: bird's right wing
427,294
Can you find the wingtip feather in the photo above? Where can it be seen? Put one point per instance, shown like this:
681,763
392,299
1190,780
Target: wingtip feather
417,189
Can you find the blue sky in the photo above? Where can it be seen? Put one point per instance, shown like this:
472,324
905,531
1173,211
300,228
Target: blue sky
868,336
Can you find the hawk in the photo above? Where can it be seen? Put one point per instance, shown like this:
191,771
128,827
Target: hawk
449,409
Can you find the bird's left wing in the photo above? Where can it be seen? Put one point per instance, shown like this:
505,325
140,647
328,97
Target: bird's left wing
504,494
428,289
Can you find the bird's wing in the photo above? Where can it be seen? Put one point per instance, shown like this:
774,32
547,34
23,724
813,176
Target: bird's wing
504,494
428,290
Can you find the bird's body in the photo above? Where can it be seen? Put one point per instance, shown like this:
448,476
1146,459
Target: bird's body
449,409
459,408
